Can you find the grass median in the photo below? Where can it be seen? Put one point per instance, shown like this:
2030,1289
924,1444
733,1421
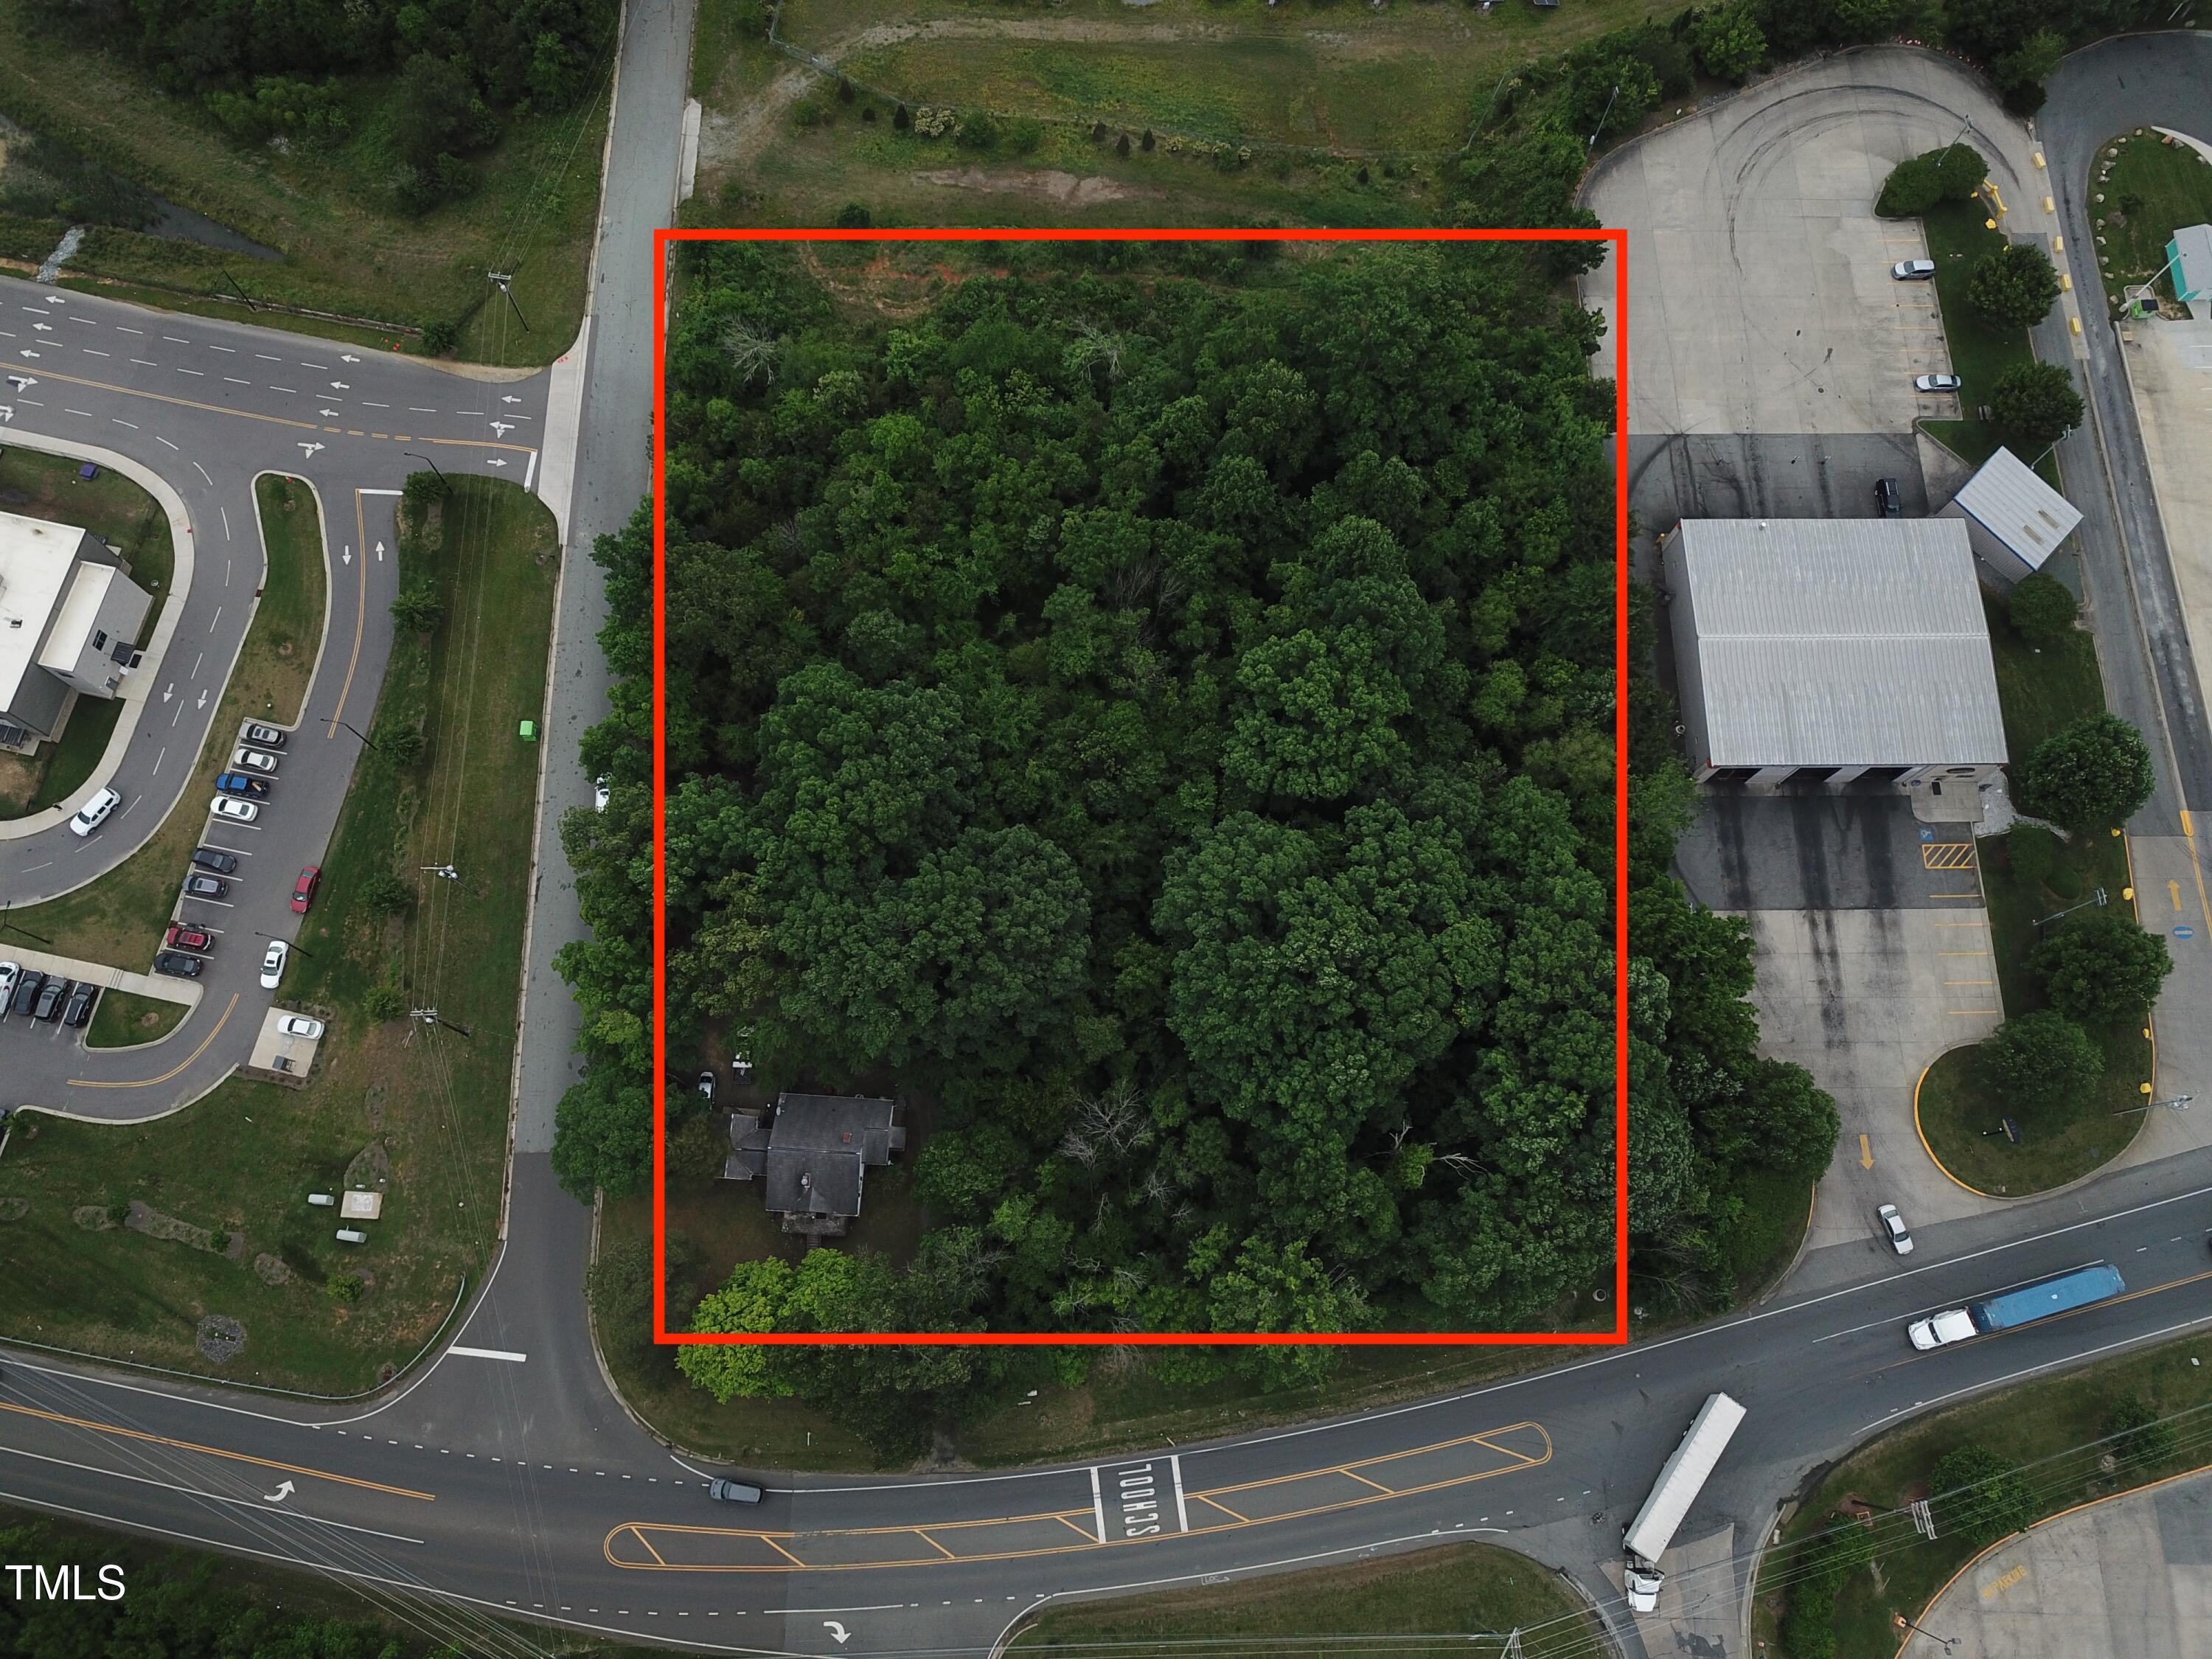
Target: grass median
423,1109
124,1019
2156,187
2052,1429
1959,239
117,919
1477,1595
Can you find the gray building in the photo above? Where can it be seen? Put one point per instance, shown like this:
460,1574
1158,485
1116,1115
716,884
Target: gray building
813,1154
1833,651
69,615
2014,521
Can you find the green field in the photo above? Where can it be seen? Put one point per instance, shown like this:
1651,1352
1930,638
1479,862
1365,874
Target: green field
1475,1595
2040,692
124,1019
2154,188
2050,1426
243,1158
1980,352
346,250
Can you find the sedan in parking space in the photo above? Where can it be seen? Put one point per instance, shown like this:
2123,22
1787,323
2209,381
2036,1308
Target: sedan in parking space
1936,383
1892,1227
205,887
178,963
26,991
253,760
303,891
9,971
50,999
272,963
1887,500
93,813
300,1025
1913,270
733,1492
261,737
79,1010
706,1085
237,783
239,812
214,859
184,937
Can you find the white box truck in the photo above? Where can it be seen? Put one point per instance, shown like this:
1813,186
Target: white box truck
1646,1537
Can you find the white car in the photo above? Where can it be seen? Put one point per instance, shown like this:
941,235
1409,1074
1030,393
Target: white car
601,791
9,973
93,813
300,1025
1892,1227
253,760
239,812
1936,383
1913,270
272,963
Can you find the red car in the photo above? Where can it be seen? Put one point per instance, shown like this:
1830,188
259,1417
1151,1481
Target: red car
188,938
303,891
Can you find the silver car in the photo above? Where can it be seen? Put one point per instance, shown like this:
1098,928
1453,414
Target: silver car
1892,1227
1913,270
1936,383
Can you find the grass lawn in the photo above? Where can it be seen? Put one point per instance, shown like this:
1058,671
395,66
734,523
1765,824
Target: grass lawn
1764,1241
2039,691
1957,241
1474,1594
117,919
347,248
124,1019
2153,189
243,1158
2049,1426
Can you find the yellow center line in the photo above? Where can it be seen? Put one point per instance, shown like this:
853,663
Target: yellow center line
653,1552
934,1544
360,611
212,1451
148,1083
1365,1481
766,1539
1084,1532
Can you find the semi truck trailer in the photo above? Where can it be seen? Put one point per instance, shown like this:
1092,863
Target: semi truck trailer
1684,1477
2023,1306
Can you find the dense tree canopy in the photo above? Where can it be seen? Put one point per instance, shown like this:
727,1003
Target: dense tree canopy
2102,967
2089,775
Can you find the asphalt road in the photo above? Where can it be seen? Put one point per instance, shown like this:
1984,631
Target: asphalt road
207,406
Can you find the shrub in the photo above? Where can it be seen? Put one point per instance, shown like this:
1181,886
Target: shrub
402,745
344,1287
423,488
1728,41
844,92
418,606
699,1147
2141,1438
1607,95
868,113
900,119
853,217
385,1001
977,131
2014,287
1021,135
2020,73
2042,610
1981,1494
1145,142
2089,775
1910,190
1121,146
439,336
219,1241
385,894
2034,853
2102,968
807,113
2043,1062
2036,403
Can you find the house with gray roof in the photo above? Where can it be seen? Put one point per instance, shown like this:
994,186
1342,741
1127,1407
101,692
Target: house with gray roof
812,1153
1832,651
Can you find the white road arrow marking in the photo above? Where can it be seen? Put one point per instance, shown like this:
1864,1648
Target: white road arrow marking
309,448
168,690
340,385
346,557
203,704
379,552
56,300
502,427
283,1491
42,328
836,1630
328,414
510,400
27,352
348,357
496,461
7,413
22,382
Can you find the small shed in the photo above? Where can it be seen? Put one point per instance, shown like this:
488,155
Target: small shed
2014,521
2188,257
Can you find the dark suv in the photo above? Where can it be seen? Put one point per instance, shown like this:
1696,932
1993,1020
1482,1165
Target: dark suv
50,999
179,964
26,991
214,859
79,1011
205,887
1887,498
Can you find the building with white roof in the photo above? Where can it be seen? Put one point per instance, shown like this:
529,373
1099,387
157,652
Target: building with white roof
2014,521
70,616
1832,651
2188,257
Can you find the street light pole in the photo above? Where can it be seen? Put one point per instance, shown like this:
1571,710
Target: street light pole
1603,118
7,926
2098,898
426,461
357,731
1965,127
2179,1103
1947,1643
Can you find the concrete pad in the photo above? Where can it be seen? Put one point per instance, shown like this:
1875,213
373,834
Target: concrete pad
2169,366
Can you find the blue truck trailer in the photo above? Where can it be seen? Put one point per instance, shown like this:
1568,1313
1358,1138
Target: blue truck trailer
2009,1308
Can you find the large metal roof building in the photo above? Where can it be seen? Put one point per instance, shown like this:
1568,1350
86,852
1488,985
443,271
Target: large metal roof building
1831,650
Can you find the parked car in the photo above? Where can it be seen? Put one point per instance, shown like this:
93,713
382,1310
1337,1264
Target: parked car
254,760
261,737
706,1086
93,813
741,1069
183,938
178,963
214,859
1936,383
272,963
79,1011
26,991
9,971
237,783
1888,500
1913,270
733,1492
238,811
601,791
1892,1227
303,891
50,999
205,887
300,1025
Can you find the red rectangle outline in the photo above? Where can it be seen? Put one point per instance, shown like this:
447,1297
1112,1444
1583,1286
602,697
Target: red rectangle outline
1618,1334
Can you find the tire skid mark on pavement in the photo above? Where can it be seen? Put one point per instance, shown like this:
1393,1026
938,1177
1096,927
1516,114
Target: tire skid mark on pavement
660,1547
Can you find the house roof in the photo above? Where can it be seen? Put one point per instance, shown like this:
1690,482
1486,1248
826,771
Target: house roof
2193,280
80,608
820,1144
36,559
2006,498
1834,642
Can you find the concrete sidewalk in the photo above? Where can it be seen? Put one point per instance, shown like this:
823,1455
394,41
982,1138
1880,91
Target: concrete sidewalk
2131,1578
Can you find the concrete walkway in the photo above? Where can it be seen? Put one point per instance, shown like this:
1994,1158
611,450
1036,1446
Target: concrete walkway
2130,1579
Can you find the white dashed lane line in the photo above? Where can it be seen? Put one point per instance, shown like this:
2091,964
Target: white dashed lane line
173,340
412,410
89,352
159,439
145,363
202,471
127,424
85,413
285,388
232,380
119,329
192,371
233,350
266,358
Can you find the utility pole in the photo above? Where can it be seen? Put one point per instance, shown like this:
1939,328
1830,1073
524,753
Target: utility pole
240,292
2179,1103
429,1017
445,871
505,279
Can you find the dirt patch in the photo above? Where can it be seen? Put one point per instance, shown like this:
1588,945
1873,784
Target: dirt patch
14,1209
1066,189
145,1218
271,1270
220,1337
372,1104
371,1168
92,1217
